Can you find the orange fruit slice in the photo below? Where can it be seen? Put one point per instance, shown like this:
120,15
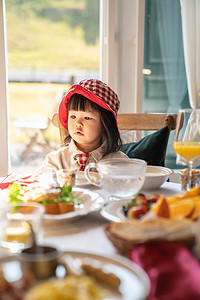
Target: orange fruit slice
161,208
193,192
181,209
189,194
195,213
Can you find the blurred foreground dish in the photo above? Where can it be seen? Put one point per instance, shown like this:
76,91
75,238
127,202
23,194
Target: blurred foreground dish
70,287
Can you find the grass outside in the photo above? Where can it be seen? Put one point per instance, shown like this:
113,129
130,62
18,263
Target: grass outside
51,37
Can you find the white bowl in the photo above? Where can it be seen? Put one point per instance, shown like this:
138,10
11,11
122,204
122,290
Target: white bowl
155,176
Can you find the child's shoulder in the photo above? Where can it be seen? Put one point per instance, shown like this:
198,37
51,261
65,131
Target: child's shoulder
117,154
60,151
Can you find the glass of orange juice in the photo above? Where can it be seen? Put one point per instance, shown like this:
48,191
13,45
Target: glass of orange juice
187,139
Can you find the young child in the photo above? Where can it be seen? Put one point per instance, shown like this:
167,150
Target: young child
89,112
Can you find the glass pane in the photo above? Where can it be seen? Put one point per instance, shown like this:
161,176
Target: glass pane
165,85
51,45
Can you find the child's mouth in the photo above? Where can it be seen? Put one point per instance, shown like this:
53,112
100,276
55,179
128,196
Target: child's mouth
78,133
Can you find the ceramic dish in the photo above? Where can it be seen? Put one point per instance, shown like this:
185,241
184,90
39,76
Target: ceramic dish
90,202
155,176
134,282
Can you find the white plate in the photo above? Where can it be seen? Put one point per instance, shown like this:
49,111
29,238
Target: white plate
135,284
113,211
91,202
155,176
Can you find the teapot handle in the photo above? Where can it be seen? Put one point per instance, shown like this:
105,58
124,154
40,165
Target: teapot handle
93,180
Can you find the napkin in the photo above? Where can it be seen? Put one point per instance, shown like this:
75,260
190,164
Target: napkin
10,178
173,271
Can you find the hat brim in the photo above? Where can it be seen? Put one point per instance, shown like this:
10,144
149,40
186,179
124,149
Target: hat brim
78,89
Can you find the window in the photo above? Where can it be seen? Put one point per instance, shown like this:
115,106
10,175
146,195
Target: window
51,45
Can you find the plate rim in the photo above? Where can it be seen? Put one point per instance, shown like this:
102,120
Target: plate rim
124,261
105,214
169,171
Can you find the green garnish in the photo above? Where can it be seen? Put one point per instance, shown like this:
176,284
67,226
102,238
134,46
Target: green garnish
132,203
16,193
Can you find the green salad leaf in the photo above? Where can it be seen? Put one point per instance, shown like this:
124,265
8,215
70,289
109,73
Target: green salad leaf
16,192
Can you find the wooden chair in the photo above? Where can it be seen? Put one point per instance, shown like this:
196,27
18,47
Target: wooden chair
134,121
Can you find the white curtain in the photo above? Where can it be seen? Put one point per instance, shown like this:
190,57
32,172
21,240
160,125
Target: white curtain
190,11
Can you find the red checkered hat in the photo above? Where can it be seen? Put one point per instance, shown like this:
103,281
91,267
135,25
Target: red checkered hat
96,91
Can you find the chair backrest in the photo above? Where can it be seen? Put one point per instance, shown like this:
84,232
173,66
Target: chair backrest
144,121
134,121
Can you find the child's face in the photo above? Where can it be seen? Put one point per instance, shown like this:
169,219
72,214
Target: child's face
85,129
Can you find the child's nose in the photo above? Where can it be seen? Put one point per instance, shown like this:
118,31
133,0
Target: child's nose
78,122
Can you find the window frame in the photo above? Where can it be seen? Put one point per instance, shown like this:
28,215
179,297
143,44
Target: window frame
4,132
121,57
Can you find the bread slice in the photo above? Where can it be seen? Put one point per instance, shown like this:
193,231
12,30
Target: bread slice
65,207
52,209
59,208
129,233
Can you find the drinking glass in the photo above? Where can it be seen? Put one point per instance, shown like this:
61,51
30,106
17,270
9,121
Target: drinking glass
187,138
120,177
24,226
4,209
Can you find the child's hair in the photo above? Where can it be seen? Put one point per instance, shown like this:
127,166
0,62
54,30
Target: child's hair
110,132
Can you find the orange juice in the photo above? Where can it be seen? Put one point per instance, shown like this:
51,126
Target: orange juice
188,150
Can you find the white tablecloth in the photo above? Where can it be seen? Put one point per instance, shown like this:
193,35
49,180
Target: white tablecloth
87,233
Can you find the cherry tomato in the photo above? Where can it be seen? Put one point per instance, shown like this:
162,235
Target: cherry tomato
153,198
144,207
136,211
140,199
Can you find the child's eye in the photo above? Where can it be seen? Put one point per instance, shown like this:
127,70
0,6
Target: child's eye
72,117
88,118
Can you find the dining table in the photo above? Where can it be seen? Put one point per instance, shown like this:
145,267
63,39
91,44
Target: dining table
171,269
87,233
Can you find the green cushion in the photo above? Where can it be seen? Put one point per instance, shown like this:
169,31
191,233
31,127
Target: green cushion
152,148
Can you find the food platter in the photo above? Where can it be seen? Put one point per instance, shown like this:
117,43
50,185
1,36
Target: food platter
90,202
134,282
